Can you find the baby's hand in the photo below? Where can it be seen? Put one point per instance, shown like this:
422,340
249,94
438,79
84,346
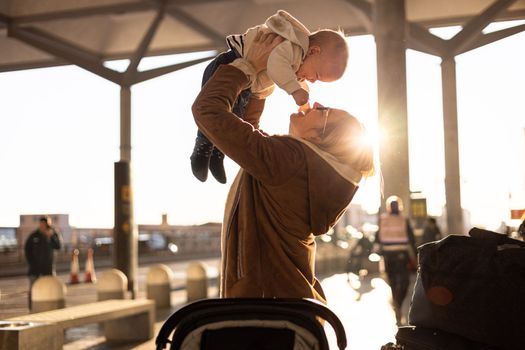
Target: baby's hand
301,97
304,107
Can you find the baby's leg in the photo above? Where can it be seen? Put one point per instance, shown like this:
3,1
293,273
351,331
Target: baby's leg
203,149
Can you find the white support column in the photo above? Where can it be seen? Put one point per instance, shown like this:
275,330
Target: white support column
389,32
450,125
125,123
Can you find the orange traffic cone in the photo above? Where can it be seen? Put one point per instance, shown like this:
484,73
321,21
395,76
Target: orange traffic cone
73,276
89,275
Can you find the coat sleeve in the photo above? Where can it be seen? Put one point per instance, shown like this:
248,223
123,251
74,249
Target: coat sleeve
253,111
280,67
56,241
270,159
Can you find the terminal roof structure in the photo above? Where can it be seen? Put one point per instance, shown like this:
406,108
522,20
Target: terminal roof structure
36,33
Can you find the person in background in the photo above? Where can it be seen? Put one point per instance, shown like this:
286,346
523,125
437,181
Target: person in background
397,242
39,251
431,231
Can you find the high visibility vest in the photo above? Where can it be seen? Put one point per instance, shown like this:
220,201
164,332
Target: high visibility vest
393,229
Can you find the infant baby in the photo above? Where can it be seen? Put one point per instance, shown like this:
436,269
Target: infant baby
302,56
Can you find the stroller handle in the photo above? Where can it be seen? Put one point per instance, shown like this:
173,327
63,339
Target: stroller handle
312,307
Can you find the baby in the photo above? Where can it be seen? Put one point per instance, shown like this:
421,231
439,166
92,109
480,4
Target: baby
302,56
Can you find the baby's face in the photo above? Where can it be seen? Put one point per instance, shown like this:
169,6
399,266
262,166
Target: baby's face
315,67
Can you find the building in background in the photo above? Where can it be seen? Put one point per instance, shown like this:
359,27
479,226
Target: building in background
7,239
178,239
181,239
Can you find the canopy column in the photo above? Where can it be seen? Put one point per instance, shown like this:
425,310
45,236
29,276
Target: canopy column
125,123
389,33
125,235
450,126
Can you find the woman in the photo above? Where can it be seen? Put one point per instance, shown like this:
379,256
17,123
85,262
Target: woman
289,189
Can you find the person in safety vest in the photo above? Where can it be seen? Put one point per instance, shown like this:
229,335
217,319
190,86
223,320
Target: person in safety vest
397,242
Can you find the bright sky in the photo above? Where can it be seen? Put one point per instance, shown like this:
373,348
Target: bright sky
59,137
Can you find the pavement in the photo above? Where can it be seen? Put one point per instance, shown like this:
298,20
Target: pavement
362,304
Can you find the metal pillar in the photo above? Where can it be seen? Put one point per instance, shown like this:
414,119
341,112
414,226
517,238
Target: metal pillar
389,32
125,123
125,235
450,125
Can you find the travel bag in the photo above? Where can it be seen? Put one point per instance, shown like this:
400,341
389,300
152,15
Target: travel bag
416,338
473,287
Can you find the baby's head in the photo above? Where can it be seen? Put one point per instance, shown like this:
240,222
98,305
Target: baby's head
326,58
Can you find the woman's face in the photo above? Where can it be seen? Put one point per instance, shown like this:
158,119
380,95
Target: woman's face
307,124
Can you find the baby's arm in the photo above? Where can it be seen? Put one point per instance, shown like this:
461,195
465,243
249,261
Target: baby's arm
280,70
301,97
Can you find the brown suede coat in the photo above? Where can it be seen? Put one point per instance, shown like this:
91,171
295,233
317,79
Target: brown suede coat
284,196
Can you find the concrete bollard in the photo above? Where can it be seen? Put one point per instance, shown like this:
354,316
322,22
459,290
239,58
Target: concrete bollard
158,285
48,293
112,284
196,282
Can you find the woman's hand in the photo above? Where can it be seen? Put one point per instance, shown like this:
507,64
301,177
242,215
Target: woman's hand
260,50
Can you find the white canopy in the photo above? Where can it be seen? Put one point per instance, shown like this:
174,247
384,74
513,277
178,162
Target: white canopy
99,30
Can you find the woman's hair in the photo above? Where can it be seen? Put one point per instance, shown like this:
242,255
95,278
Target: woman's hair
345,138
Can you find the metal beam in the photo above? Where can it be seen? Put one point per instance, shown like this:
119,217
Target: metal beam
473,28
131,71
198,26
166,51
420,39
86,12
7,67
492,37
11,67
354,30
157,72
61,49
364,11
363,6
130,7
509,15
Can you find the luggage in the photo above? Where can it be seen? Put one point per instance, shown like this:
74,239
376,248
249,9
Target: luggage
416,338
250,324
472,286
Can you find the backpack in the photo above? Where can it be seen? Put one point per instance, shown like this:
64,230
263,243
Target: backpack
472,286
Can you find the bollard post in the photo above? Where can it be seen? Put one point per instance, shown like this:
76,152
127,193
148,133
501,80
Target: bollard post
112,284
196,282
158,285
48,293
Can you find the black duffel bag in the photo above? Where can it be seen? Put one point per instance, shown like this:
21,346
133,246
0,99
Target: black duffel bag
474,287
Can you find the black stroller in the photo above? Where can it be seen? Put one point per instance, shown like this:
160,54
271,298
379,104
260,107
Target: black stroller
250,324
